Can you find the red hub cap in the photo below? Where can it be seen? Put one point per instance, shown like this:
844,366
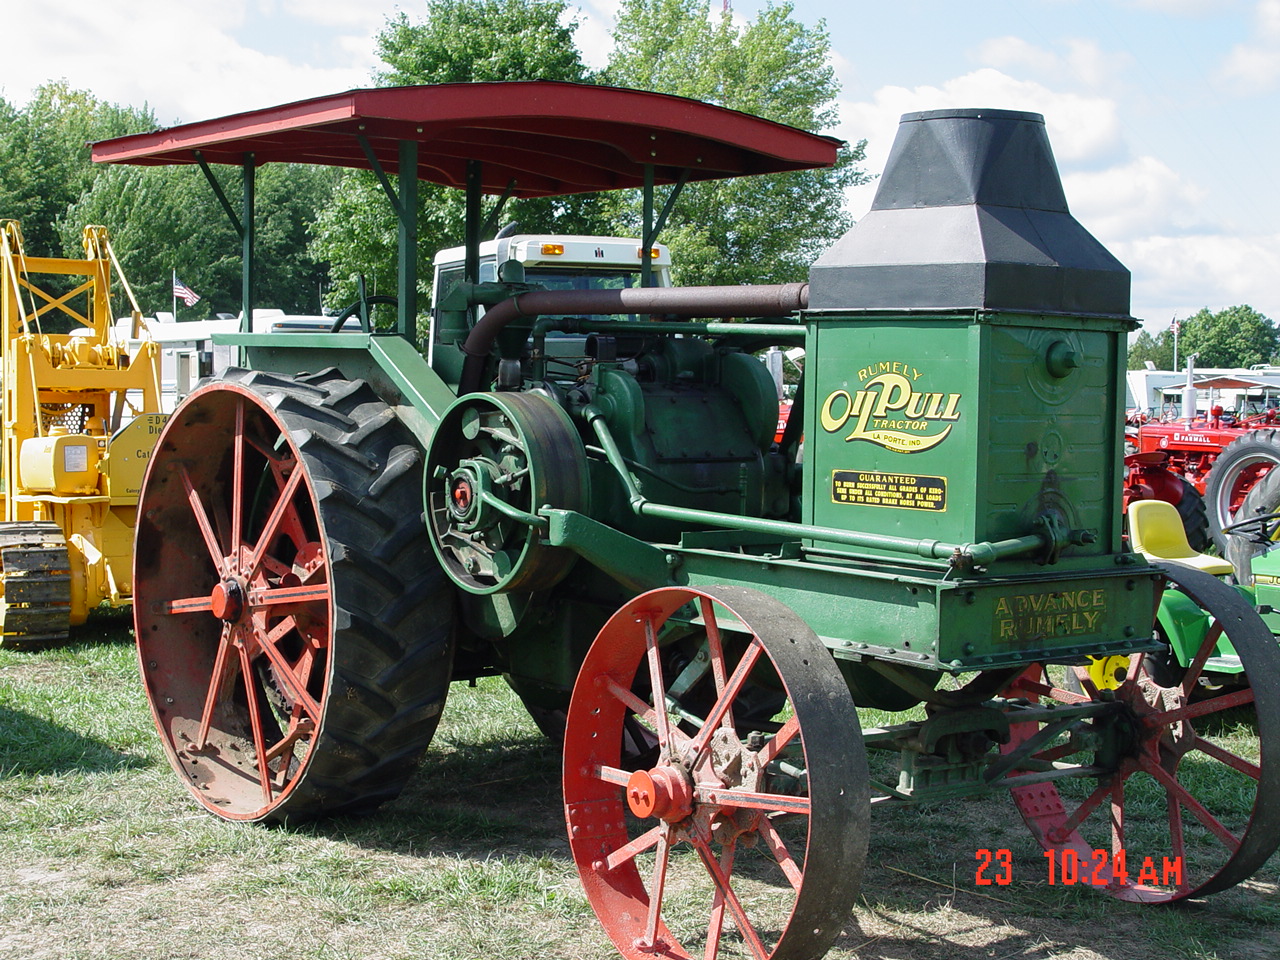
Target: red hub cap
227,600
663,792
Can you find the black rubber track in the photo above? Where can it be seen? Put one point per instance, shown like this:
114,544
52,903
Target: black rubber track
391,628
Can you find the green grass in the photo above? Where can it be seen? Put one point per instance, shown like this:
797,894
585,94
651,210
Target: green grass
106,857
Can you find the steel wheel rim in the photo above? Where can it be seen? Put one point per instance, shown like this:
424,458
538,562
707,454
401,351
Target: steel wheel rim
238,670
684,809
1176,749
1237,483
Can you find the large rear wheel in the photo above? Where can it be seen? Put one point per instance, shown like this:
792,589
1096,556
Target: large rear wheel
744,835
293,628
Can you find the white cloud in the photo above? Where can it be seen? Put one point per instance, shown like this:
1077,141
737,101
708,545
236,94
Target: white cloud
595,26
1255,66
1083,61
363,17
1080,128
149,56
1190,8
1183,274
1135,199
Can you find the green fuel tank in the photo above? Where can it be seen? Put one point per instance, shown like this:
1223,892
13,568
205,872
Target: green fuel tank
966,343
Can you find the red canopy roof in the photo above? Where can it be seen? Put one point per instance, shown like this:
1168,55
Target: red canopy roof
551,138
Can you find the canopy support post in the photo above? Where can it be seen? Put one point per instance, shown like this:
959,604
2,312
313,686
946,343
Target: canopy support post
248,234
407,211
651,227
471,263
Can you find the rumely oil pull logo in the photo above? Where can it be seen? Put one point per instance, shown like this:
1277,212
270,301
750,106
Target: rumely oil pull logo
888,410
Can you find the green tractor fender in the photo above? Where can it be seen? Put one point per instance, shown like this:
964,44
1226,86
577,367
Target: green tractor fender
1184,624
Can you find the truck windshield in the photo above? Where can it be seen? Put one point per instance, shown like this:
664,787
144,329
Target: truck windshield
620,279
583,280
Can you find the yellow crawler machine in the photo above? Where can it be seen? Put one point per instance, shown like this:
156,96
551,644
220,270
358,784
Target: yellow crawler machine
80,416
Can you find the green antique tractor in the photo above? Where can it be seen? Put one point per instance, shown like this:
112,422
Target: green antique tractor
582,492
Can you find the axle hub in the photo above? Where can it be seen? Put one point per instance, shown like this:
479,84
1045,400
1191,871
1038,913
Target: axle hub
663,792
227,600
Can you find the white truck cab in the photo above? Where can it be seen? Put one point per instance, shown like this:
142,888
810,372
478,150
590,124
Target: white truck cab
557,262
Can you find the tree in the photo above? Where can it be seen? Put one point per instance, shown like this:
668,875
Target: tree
167,219
470,41
763,229
1237,336
44,163
458,41
1157,349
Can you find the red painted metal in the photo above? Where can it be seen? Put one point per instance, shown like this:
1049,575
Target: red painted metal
548,138
1219,801
712,791
254,670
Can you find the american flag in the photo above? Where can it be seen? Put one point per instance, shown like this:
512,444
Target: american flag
180,289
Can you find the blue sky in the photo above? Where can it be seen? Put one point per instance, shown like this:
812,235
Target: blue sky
1162,113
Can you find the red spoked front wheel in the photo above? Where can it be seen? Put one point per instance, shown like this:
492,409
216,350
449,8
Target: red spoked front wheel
747,835
292,625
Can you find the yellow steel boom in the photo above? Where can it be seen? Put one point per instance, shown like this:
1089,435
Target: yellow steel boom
80,416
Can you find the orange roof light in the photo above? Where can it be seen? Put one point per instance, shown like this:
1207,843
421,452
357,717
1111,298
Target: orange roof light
653,253
552,249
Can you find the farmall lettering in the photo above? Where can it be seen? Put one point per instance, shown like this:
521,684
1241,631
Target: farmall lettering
888,411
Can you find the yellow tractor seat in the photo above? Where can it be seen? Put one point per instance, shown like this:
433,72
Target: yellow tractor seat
1156,532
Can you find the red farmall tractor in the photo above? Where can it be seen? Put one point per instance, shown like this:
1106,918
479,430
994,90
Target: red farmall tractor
1205,467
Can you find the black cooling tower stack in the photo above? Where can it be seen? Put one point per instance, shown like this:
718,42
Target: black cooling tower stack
970,214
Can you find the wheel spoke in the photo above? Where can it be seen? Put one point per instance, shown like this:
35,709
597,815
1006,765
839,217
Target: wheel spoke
780,853
255,722
284,670
724,703
642,710
187,605
1175,789
715,924
715,649
1117,816
769,752
658,887
269,530
221,670
630,851
657,684
613,775
202,521
280,596
1196,667
1204,707
1056,753
721,880
1081,813
744,800
237,481
1226,756
1177,839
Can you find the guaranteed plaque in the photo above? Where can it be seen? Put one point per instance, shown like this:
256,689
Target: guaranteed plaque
903,490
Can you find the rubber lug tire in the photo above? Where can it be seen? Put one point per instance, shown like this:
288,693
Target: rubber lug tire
390,632
1223,483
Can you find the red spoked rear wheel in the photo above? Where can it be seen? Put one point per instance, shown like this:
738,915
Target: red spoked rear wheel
293,628
743,838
